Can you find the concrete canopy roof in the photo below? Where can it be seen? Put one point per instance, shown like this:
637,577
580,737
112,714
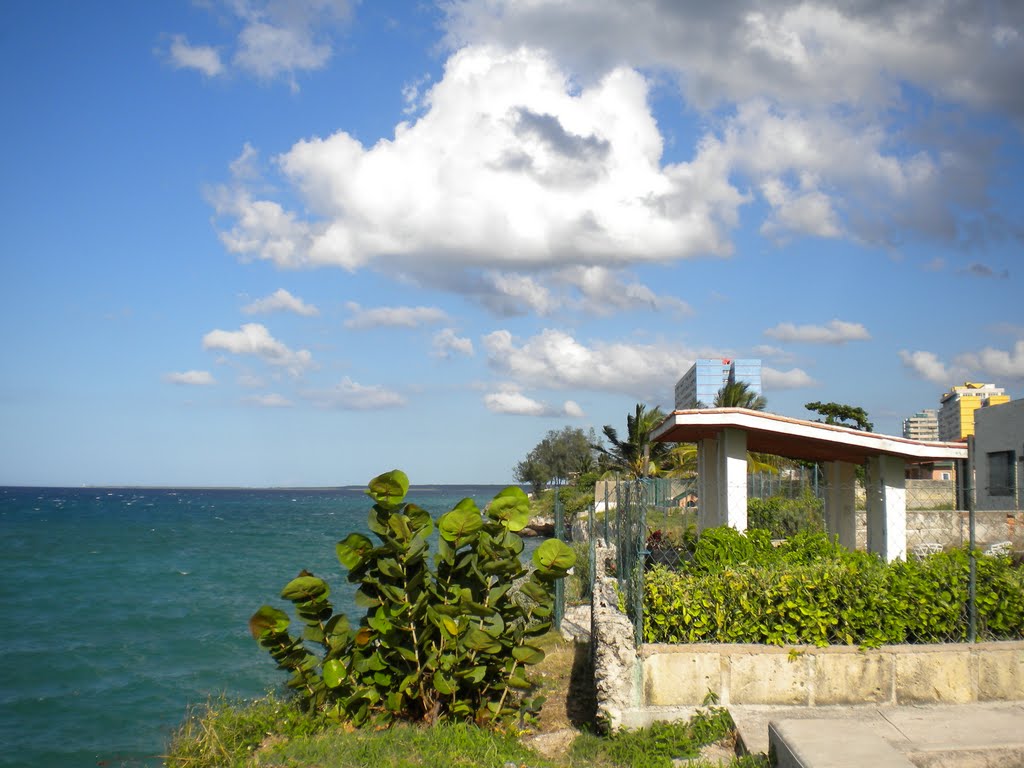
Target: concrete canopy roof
799,439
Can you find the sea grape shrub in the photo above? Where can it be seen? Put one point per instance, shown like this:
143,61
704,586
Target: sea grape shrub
442,638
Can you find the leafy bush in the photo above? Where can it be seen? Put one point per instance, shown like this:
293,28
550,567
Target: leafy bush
783,517
809,590
443,643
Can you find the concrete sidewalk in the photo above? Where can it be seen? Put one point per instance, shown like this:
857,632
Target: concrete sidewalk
929,736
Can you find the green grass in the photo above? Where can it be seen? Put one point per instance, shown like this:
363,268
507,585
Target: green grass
269,732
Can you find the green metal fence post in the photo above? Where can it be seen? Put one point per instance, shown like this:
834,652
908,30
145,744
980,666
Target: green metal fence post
559,583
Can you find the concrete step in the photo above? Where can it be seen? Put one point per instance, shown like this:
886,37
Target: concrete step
830,744
983,735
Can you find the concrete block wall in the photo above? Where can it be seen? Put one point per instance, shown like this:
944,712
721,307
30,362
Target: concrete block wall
682,675
951,528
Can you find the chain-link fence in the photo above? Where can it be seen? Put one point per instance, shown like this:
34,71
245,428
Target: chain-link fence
655,522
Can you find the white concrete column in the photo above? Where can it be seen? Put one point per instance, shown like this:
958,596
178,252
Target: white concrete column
840,502
732,449
887,507
707,484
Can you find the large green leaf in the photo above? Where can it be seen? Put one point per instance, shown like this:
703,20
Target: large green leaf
511,507
554,556
461,524
351,549
478,640
527,654
268,618
305,587
419,519
334,673
389,489
444,685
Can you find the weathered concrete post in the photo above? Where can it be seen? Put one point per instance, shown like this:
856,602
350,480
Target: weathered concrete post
616,663
840,502
887,507
722,480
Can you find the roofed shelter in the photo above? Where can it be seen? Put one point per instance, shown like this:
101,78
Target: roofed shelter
724,435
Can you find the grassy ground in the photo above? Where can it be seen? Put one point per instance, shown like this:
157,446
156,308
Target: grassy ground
269,732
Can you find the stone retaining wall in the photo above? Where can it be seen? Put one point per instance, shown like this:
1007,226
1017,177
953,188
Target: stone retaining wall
682,675
633,681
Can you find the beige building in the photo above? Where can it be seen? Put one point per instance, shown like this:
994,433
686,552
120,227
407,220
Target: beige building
956,416
923,425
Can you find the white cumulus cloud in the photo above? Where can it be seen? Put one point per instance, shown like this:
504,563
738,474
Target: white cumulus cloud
280,300
555,360
996,364
833,332
512,401
198,378
509,166
255,339
794,378
928,366
447,343
204,58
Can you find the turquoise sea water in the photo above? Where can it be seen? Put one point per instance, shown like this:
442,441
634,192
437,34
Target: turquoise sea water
122,606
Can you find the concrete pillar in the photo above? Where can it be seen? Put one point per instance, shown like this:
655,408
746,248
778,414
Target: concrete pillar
707,484
722,480
732,449
840,502
887,507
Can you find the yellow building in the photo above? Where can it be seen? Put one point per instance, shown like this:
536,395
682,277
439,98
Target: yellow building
956,416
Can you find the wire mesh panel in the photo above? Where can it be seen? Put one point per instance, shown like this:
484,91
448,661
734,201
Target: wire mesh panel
935,551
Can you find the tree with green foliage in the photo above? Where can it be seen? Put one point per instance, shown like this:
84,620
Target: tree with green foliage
562,455
532,472
738,394
637,455
842,415
444,643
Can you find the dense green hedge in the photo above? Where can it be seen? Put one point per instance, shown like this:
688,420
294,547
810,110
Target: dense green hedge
809,590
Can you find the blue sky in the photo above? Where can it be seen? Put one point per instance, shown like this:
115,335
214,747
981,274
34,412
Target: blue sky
301,243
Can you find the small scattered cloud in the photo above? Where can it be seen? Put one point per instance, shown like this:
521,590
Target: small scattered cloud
190,378
833,332
926,365
393,317
448,344
203,58
270,400
512,401
274,38
255,339
977,269
795,378
935,265
349,395
412,94
280,300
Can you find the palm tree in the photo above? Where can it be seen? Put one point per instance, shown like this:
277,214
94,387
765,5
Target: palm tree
637,455
738,394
